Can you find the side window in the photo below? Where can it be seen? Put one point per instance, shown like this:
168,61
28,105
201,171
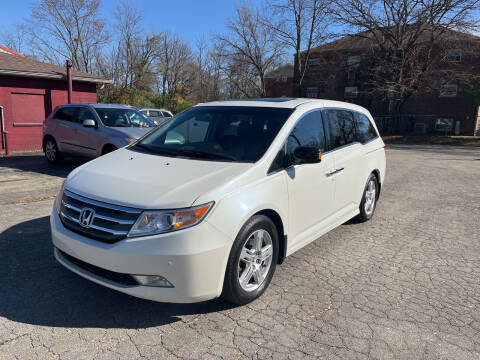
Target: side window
65,114
307,132
279,161
166,114
84,114
341,126
365,129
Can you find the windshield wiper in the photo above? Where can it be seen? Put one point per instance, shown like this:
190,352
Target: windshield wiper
206,154
155,151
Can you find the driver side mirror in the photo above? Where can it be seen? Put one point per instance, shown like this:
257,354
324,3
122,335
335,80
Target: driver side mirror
89,123
306,155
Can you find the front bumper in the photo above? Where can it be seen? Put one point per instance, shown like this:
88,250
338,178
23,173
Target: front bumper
193,260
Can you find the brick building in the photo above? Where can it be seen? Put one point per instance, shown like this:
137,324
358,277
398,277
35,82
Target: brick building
29,91
279,82
445,106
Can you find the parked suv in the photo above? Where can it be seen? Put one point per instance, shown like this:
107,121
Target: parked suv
91,130
158,116
208,204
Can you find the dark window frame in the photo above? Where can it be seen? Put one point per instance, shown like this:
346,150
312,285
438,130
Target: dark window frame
284,147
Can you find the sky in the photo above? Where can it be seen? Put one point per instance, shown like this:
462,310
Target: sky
189,18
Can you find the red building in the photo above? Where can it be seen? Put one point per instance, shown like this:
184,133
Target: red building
29,91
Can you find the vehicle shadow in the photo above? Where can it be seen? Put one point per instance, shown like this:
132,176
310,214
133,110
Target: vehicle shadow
36,162
37,290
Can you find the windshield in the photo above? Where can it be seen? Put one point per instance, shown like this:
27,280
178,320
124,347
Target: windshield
123,118
226,133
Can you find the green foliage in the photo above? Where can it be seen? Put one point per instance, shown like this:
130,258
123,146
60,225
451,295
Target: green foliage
141,98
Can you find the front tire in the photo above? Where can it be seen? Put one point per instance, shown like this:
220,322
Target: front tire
252,261
52,154
369,199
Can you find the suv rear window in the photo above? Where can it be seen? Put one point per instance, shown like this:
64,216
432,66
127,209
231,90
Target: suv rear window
123,118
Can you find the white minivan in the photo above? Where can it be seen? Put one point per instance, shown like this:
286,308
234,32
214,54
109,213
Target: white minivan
208,204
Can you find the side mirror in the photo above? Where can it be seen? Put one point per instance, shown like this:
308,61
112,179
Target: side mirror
306,155
89,123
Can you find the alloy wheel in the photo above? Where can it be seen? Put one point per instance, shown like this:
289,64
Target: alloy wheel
370,197
50,150
255,260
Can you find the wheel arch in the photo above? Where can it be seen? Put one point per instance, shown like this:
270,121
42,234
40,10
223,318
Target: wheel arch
282,237
376,172
107,146
47,137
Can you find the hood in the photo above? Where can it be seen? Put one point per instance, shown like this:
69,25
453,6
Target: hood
133,132
147,181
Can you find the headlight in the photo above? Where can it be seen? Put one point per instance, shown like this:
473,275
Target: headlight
157,222
58,199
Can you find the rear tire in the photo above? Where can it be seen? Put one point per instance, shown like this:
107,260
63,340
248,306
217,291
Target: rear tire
252,261
369,199
50,148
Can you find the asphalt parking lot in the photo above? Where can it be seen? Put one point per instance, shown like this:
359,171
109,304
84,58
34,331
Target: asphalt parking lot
405,285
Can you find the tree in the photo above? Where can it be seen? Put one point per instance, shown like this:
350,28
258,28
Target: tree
67,29
250,52
299,25
135,52
405,38
15,40
172,61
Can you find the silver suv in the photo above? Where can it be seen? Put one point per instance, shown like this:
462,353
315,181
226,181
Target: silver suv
91,130
158,116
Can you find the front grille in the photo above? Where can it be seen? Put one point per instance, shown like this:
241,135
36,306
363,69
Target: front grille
111,223
123,279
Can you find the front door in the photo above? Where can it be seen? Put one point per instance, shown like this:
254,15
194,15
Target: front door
85,139
310,186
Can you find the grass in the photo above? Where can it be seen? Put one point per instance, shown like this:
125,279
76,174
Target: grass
433,140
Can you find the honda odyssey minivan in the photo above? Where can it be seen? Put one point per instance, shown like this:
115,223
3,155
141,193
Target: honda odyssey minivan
207,205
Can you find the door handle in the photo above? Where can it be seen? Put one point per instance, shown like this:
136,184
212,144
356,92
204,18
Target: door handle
334,171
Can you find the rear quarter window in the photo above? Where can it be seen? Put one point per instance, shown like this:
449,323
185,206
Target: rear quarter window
65,114
341,127
365,129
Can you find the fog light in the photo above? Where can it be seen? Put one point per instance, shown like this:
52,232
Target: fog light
153,280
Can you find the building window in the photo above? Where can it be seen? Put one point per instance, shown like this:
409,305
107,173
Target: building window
351,92
449,90
312,92
284,78
453,55
353,61
314,62
352,74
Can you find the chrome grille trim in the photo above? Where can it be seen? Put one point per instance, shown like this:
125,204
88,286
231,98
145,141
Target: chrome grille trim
98,216
111,223
99,228
101,204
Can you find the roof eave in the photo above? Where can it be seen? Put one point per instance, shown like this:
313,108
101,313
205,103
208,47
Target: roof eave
42,75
